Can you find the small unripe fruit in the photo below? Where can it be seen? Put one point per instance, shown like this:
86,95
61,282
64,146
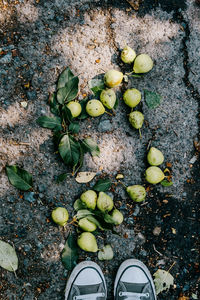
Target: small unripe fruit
132,97
95,108
154,175
136,118
113,78
136,192
128,55
89,198
75,108
108,98
104,202
87,225
60,216
142,64
87,242
117,216
155,157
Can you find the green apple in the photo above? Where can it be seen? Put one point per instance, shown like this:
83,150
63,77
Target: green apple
154,175
136,118
89,198
155,157
117,216
132,97
142,64
136,192
87,225
60,216
113,78
128,55
95,108
75,108
108,98
87,242
104,202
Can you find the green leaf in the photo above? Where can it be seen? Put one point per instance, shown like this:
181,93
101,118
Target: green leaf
82,213
106,253
67,115
20,178
69,150
163,280
8,257
95,221
79,205
57,137
91,146
74,127
153,100
69,91
64,77
48,122
54,106
61,177
109,219
102,185
69,254
96,85
84,114
166,183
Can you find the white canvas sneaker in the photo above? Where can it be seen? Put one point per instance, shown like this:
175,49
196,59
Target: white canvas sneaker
86,282
134,282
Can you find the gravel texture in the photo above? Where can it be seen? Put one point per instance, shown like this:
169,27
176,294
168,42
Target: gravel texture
38,39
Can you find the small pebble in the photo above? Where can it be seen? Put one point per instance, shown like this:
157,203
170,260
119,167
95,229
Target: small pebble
157,231
6,59
104,126
29,197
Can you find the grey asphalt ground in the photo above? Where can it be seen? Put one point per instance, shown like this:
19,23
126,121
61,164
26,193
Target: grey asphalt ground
38,39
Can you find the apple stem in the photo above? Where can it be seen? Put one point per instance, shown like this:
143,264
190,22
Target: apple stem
108,113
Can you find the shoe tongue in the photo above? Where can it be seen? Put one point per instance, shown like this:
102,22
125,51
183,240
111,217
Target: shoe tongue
88,289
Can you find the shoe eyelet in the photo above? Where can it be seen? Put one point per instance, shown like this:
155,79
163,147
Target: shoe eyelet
120,294
147,295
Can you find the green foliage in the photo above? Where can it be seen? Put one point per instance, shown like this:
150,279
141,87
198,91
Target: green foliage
69,254
153,100
89,145
166,183
102,185
20,178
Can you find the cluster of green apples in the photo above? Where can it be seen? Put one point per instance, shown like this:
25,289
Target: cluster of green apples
153,173
102,202
91,200
132,97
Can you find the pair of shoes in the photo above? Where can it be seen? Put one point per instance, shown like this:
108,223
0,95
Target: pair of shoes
133,282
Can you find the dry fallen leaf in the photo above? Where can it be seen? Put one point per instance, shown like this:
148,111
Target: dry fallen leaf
84,177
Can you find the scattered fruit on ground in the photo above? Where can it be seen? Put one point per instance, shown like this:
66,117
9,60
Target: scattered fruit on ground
87,242
87,225
75,108
142,64
108,98
95,108
113,78
128,55
89,198
117,217
104,202
132,97
136,118
155,157
154,175
136,192
106,253
60,216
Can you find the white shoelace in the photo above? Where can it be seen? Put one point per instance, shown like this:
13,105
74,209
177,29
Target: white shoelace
89,296
133,296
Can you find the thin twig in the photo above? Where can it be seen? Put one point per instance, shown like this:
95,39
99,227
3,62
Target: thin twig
157,250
